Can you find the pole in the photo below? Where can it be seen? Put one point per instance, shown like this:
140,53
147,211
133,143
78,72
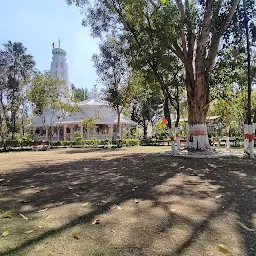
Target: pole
246,21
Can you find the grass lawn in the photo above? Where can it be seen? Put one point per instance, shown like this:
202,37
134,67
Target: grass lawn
147,203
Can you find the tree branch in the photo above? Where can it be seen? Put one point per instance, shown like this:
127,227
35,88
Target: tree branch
182,32
217,36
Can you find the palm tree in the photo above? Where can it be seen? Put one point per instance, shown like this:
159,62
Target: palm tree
18,71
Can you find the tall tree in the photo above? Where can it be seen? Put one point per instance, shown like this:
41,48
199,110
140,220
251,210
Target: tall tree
17,67
190,30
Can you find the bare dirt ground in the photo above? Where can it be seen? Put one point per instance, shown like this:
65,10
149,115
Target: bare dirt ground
147,203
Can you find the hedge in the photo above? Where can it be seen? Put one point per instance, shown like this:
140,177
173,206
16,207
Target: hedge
86,143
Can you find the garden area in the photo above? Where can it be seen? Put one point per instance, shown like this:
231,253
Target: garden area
127,201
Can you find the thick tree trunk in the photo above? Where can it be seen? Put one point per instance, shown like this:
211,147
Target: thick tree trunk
198,100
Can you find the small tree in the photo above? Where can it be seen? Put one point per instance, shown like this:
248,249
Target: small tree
50,100
111,66
89,122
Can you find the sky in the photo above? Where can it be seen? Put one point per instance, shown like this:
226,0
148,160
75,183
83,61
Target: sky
39,23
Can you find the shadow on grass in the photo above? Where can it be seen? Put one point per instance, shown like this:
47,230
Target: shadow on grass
186,184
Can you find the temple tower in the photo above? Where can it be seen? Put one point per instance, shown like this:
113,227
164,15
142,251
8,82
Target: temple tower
59,66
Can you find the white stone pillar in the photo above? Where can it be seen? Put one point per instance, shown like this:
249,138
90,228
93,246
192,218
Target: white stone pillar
72,132
82,131
65,132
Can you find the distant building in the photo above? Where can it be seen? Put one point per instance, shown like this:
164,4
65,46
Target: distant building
50,127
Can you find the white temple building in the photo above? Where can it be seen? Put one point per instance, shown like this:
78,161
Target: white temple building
69,127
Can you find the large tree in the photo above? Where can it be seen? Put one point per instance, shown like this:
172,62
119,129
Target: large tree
16,69
189,30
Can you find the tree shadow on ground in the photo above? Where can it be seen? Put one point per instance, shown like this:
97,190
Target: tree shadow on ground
185,206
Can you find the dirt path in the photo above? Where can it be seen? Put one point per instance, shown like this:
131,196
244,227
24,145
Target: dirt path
148,203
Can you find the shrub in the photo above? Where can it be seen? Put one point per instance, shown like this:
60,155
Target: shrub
126,142
105,142
90,143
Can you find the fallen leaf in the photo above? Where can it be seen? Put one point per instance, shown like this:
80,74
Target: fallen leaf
5,233
70,188
245,227
43,210
29,231
75,235
104,201
85,204
136,201
222,248
97,221
24,217
48,217
1,179
6,215
219,196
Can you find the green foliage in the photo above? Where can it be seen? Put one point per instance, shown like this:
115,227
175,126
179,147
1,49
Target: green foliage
16,68
89,122
79,94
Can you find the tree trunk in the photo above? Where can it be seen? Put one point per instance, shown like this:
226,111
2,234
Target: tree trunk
198,100
228,136
169,124
118,130
177,120
145,128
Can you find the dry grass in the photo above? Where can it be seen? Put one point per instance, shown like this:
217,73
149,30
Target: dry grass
147,203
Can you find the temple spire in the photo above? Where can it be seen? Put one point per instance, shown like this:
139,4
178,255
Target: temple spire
59,43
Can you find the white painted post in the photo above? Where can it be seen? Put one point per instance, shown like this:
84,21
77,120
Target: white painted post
251,130
177,137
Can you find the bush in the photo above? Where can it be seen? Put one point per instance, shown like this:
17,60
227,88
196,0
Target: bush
90,143
55,143
126,142
105,142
